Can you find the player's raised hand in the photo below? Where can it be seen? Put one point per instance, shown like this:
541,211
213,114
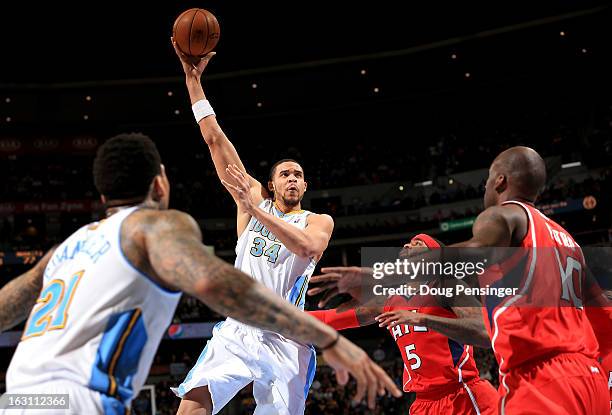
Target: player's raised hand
345,357
340,280
241,188
193,66
397,317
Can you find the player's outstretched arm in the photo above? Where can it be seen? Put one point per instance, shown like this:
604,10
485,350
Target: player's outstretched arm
172,246
361,315
468,328
19,296
221,148
494,227
353,313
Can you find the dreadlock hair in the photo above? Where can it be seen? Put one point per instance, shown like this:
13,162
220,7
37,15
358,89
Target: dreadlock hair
125,165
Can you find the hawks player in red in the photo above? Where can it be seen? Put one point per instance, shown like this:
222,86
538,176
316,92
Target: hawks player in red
607,365
441,371
547,353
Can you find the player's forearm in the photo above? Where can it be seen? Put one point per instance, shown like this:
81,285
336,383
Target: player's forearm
194,87
340,320
211,131
180,260
366,314
463,330
250,302
18,297
222,151
296,240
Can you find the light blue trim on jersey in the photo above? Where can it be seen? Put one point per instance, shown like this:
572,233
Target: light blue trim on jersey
217,326
129,358
127,261
117,324
112,406
181,388
296,295
312,368
126,355
277,212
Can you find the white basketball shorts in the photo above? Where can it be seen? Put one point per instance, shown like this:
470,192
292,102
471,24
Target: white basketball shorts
281,370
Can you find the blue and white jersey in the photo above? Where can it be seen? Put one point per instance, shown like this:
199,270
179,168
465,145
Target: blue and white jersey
261,255
98,321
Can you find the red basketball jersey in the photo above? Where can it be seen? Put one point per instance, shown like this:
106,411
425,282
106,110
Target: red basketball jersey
432,361
606,363
551,270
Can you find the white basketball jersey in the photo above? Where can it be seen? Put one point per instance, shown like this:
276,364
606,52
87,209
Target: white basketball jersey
98,320
261,255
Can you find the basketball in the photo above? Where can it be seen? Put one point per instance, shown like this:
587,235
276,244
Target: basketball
196,32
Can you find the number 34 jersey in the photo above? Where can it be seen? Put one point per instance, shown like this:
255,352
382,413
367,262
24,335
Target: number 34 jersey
260,254
97,322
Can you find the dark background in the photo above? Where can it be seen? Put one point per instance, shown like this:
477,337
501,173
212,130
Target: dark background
51,42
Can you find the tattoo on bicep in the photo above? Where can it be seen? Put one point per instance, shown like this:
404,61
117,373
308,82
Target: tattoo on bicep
183,261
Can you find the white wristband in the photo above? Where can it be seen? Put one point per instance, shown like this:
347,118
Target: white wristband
202,109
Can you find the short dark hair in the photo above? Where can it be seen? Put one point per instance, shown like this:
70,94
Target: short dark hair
275,165
125,165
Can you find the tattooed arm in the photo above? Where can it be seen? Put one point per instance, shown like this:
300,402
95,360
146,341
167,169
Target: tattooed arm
19,295
173,248
169,242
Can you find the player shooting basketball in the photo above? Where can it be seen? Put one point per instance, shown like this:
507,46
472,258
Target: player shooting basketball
279,245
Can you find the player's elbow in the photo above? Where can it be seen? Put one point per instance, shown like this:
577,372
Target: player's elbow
206,290
212,136
305,253
311,247
308,250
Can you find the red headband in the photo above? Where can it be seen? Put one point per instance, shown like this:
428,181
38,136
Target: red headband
430,242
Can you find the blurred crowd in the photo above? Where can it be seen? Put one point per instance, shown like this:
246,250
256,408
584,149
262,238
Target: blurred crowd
32,230
411,155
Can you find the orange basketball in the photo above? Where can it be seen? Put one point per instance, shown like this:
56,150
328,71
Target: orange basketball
196,32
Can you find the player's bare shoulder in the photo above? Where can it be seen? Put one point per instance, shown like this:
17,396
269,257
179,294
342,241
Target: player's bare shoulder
517,216
146,224
509,213
320,219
